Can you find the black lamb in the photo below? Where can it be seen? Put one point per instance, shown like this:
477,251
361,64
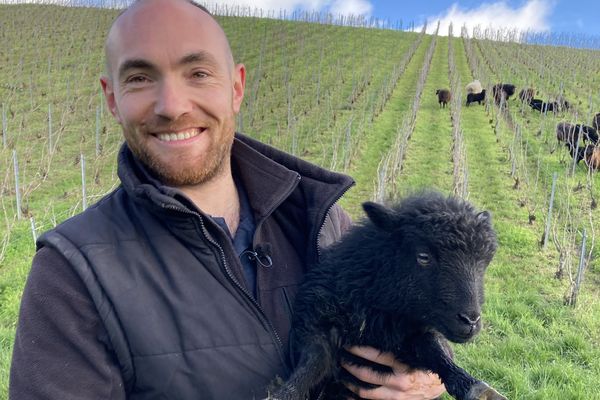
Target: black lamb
403,281
476,97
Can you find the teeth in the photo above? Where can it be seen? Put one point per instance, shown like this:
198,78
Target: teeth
172,136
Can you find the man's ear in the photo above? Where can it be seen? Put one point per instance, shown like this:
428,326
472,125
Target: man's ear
239,85
109,95
380,215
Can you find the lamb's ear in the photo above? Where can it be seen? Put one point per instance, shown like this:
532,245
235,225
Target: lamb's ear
380,215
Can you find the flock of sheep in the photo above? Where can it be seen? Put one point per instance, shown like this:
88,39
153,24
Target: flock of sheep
581,140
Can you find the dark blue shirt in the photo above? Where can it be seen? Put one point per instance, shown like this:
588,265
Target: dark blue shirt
242,240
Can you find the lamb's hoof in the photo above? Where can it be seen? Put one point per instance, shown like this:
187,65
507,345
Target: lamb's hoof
482,391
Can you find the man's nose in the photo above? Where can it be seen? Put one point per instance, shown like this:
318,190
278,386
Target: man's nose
173,101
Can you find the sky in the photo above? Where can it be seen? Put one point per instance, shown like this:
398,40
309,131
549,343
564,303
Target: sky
541,16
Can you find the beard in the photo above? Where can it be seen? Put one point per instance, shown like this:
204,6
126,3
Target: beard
201,171
188,170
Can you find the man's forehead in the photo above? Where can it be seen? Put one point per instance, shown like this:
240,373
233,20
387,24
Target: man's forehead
147,16
158,7
164,25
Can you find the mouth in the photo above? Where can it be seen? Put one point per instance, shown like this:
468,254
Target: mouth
178,136
459,334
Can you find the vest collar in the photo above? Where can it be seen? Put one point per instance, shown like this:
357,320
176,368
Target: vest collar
268,174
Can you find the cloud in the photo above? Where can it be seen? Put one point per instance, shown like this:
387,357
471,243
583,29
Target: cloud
351,7
532,16
265,5
335,7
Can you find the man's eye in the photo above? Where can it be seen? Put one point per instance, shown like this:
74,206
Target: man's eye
136,79
199,74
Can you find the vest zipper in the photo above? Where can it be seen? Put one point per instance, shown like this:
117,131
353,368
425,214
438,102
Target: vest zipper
339,196
321,393
232,278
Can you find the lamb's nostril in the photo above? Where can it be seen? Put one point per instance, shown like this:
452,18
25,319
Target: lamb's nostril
469,319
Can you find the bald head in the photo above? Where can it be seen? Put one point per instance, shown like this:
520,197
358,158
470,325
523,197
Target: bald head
161,16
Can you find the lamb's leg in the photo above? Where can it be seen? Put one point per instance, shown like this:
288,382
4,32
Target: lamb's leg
426,352
315,365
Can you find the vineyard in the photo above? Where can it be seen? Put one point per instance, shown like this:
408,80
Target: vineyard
360,101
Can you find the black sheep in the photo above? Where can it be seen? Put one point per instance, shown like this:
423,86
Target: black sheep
444,97
572,134
552,106
403,281
543,107
580,153
596,122
475,97
503,91
526,95
589,134
589,153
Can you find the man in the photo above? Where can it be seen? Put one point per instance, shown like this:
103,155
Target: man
178,284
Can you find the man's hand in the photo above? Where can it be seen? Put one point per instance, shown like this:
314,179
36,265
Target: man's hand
403,384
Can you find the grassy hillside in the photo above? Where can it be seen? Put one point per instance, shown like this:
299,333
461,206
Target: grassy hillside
360,101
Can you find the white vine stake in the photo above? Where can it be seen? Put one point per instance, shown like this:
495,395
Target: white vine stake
17,190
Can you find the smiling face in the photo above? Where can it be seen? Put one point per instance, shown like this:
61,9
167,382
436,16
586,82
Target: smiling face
174,89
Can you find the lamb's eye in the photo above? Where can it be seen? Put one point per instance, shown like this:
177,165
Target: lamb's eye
423,259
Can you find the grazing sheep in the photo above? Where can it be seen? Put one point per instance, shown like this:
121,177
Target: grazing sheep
566,133
503,91
444,97
592,157
589,134
476,97
403,281
543,107
570,134
526,95
563,104
474,87
579,153
596,122
590,153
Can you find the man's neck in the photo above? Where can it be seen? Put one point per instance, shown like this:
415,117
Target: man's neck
218,198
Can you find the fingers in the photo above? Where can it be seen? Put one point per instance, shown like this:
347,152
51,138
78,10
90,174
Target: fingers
379,393
373,355
398,380
421,389
403,383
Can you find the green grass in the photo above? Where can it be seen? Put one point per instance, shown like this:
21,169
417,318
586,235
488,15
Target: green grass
315,90
376,141
528,325
429,159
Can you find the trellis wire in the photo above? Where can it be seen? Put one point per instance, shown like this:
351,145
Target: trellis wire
549,218
574,163
50,128
17,190
101,105
83,191
97,131
33,230
31,92
580,272
4,126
